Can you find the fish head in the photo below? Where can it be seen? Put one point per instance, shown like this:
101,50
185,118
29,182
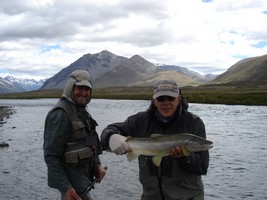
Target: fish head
198,144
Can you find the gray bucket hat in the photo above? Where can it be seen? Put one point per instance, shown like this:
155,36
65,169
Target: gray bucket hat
79,78
166,88
82,78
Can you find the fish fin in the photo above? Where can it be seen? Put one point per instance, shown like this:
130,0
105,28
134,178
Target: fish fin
155,135
185,151
129,138
131,156
157,160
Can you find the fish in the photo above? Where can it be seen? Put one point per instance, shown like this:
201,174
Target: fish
160,145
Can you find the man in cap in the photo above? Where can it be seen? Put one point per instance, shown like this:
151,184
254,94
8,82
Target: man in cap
71,143
179,175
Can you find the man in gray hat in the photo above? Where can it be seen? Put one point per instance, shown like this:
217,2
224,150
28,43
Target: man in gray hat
179,175
71,143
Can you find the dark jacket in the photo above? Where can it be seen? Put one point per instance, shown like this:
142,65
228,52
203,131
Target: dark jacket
176,178
69,145
70,161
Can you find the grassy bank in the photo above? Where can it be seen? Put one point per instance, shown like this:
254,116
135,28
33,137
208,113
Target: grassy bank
227,95
203,94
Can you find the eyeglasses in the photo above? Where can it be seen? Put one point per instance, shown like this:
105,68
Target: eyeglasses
162,98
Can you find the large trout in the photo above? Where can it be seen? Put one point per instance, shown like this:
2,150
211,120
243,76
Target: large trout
159,145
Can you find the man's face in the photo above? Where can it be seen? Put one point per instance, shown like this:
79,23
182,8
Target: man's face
167,105
81,94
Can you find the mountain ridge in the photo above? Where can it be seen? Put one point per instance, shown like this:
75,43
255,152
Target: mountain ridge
121,71
12,84
250,71
110,70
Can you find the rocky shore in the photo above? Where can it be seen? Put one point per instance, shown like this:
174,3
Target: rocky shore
5,112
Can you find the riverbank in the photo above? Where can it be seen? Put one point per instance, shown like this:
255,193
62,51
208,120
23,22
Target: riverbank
5,112
208,94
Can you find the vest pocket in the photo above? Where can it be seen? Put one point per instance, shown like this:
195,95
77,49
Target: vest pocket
79,131
75,156
85,153
71,157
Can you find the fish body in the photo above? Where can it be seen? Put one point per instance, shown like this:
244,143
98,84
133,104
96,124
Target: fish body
160,145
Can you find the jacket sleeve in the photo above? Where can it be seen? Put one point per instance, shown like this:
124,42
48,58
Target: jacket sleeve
55,137
197,162
107,132
130,127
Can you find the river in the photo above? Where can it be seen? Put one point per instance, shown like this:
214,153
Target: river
238,160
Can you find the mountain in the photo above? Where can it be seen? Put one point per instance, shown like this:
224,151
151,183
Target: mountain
26,84
96,64
194,75
7,86
110,70
247,72
11,84
133,71
210,77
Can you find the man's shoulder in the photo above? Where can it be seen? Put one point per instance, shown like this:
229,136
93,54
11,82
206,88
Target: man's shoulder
62,102
60,109
191,115
142,114
57,112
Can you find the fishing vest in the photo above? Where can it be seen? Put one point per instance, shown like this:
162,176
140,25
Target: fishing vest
83,142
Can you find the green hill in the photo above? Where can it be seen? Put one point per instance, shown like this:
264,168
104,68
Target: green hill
247,72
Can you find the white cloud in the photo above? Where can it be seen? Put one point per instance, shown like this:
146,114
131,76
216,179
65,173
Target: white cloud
39,38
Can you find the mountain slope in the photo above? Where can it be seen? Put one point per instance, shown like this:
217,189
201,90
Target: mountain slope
131,72
181,78
96,64
110,70
10,84
7,86
194,75
250,71
26,84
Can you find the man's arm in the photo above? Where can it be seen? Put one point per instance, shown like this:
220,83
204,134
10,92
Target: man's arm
55,137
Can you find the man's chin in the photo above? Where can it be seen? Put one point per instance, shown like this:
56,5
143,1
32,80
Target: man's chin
81,102
166,114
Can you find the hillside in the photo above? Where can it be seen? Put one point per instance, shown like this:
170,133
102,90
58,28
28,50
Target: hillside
7,86
96,64
110,70
131,72
11,84
248,72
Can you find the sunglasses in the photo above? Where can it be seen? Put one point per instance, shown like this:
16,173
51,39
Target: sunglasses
162,98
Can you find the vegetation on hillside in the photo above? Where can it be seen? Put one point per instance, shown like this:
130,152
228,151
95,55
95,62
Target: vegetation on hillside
249,71
212,94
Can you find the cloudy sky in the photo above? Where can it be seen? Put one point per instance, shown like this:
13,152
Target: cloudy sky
38,38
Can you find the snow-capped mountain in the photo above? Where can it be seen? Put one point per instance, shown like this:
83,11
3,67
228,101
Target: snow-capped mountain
12,84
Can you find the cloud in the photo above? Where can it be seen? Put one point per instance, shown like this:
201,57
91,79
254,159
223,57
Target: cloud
39,38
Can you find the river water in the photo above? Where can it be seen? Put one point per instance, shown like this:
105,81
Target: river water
238,160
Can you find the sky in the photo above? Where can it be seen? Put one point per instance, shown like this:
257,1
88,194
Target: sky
38,38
